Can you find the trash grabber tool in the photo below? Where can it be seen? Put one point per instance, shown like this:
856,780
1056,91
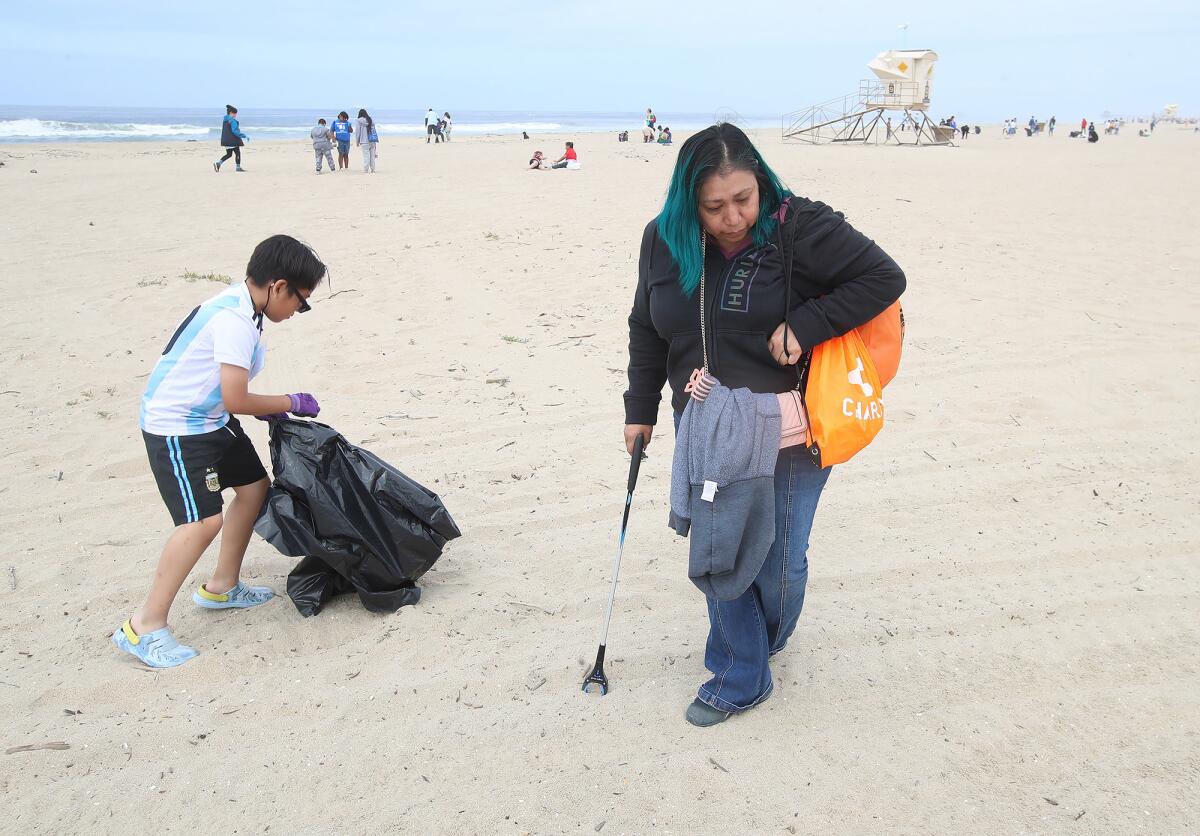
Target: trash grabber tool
597,677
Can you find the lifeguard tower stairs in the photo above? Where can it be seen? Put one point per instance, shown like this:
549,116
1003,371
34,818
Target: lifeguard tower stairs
902,86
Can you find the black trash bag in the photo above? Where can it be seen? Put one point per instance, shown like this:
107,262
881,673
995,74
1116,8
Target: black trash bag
360,524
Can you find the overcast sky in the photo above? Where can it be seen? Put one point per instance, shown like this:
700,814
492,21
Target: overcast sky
996,59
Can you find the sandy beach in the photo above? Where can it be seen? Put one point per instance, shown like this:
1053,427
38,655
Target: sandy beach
1003,614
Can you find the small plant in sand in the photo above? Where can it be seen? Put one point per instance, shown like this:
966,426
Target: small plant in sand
192,276
508,338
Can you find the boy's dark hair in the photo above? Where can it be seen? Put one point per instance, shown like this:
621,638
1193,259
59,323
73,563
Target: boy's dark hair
230,109
320,121
283,257
570,144
343,115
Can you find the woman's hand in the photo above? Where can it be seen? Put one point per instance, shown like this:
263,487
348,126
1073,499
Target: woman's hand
794,350
632,431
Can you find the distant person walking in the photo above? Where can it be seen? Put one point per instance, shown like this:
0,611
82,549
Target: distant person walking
1050,125
367,138
232,140
431,123
447,124
322,140
342,131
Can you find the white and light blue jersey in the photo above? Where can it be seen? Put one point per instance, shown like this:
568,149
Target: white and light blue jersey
183,395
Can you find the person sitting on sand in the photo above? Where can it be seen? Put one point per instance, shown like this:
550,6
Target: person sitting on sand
569,159
1092,135
538,161
664,137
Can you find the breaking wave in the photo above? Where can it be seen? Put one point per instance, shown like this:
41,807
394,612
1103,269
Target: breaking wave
51,129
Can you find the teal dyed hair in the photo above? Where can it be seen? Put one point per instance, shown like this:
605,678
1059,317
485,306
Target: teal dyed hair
720,148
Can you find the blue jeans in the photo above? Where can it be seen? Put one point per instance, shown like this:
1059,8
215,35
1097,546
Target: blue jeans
745,632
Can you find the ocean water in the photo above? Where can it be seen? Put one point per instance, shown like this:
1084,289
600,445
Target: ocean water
110,124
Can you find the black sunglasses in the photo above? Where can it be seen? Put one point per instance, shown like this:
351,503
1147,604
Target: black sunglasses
304,306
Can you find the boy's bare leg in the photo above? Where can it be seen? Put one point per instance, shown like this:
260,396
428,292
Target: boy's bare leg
239,525
179,556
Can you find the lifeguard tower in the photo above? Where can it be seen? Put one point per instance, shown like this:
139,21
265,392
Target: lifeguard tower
903,84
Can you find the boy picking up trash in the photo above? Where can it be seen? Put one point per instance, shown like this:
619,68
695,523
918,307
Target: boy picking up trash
197,448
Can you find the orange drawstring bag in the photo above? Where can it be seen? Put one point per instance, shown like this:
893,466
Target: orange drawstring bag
884,338
842,380
844,399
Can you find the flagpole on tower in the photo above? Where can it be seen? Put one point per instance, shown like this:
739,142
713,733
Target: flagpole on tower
904,37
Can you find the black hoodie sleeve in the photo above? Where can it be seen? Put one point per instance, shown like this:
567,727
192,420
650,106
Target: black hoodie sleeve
847,279
647,350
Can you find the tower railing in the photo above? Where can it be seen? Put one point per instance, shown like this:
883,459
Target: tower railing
860,117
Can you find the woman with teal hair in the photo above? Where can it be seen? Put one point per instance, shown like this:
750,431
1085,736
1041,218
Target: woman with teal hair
713,256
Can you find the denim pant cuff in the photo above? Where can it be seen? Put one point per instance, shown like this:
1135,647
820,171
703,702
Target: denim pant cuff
724,705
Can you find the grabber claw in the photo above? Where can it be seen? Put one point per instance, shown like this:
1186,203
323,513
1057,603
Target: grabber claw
597,677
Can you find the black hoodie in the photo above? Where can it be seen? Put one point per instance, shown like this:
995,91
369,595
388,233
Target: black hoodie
840,280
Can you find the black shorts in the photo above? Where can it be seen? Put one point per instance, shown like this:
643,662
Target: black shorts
192,470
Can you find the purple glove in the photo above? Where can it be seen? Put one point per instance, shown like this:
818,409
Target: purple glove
304,405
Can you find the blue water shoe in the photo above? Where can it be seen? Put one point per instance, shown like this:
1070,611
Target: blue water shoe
157,649
240,597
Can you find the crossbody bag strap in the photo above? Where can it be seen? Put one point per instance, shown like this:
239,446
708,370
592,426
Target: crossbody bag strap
788,256
703,270
786,251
